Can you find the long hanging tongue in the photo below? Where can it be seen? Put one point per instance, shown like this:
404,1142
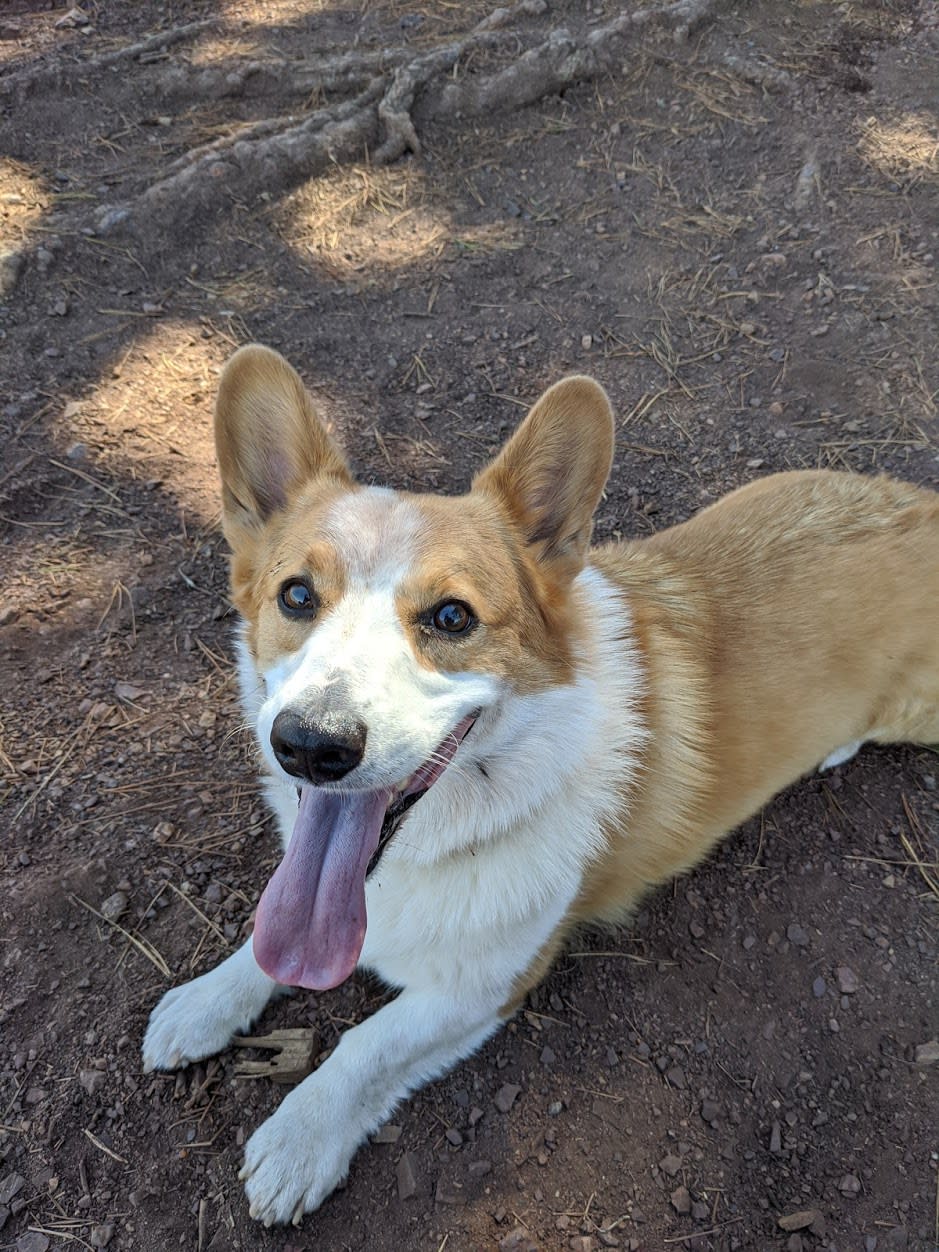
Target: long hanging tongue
310,923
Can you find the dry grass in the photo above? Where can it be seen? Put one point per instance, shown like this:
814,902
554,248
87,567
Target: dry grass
23,200
905,148
359,219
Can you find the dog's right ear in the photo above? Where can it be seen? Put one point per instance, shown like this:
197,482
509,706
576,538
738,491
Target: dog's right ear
269,439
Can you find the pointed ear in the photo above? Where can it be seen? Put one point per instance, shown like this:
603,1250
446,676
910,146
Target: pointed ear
268,438
551,473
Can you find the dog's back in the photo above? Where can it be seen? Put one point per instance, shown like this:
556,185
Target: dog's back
797,617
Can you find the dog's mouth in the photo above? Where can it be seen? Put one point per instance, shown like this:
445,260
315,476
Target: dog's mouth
394,816
310,923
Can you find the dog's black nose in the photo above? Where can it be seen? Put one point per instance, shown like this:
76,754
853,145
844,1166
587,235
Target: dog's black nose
319,753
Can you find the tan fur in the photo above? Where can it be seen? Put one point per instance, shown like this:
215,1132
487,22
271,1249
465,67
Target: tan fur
797,615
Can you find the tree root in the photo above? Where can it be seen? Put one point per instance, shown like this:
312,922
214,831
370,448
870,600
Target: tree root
395,92
64,75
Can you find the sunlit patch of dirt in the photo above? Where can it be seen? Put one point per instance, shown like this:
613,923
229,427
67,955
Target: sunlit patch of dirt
155,434
365,226
361,218
906,147
23,200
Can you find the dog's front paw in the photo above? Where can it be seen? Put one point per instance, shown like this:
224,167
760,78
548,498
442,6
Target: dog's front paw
201,1017
188,1024
294,1160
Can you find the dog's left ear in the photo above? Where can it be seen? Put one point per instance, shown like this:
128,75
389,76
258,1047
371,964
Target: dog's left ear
551,474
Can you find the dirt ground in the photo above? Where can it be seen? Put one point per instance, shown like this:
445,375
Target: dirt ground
738,235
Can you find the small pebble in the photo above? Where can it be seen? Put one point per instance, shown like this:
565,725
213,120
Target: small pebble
681,1200
847,980
799,1221
114,906
506,1096
406,1176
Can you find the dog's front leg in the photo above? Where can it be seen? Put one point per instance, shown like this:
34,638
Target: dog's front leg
201,1017
296,1158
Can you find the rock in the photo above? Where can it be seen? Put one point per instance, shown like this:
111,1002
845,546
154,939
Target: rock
406,1176
127,691
11,1186
819,987
581,1243
670,1165
775,1138
799,1221
506,1096
927,1053
850,1185
101,1236
74,17
797,935
710,1111
847,980
453,1137
794,1243
517,1240
681,1200
448,1193
676,1077
91,1080
700,1211
387,1134
32,1241
114,906
12,261
479,1169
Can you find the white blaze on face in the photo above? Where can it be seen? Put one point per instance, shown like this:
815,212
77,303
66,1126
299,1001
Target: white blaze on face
362,651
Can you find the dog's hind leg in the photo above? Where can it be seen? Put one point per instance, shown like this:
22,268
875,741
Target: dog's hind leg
840,755
201,1017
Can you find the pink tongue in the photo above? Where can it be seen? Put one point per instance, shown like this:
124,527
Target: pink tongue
310,923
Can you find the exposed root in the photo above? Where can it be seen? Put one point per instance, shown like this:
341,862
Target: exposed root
396,91
328,136
758,73
62,75
342,72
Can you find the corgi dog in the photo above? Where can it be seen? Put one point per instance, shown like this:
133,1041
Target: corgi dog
480,733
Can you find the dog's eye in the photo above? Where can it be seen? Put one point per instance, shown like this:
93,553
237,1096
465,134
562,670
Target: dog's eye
453,617
298,598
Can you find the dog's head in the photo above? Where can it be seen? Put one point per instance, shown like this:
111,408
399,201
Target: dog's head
384,624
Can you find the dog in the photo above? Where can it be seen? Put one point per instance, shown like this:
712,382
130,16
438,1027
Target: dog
480,733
